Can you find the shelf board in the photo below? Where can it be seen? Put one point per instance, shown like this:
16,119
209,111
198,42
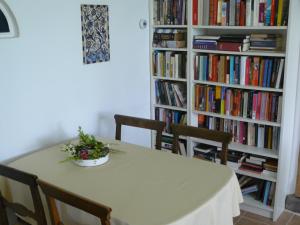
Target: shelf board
250,201
169,78
248,87
240,27
169,26
170,107
255,175
170,49
238,118
243,148
250,53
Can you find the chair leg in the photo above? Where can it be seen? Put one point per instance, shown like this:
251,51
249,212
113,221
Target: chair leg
3,215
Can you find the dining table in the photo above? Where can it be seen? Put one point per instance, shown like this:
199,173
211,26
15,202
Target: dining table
143,186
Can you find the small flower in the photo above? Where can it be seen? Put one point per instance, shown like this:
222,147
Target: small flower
84,154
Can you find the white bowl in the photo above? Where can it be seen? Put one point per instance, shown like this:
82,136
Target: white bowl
92,162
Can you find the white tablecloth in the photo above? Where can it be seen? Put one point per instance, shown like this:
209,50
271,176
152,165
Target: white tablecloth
142,186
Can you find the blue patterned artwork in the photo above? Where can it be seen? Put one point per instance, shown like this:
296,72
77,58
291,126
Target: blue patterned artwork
95,33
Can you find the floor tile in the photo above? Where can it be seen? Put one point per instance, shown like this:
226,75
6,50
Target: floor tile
282,220
248,221
295,220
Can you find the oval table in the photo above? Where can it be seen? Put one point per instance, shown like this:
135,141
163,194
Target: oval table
142,186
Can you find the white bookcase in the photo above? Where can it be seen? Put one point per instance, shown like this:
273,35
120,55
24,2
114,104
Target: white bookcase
291,55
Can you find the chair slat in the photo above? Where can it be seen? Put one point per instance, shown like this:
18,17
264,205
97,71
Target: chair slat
189,131
155,125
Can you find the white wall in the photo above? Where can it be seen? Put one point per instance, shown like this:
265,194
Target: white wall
45,90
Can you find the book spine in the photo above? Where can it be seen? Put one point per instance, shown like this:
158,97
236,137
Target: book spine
249,13
232,13
195,12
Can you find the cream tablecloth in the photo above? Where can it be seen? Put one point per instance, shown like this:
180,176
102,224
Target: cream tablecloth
142,186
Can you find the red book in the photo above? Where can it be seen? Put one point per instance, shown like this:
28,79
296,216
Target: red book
247,75
242,13
211,12
273,9
229,46
215,12
214,72
195,12
255,73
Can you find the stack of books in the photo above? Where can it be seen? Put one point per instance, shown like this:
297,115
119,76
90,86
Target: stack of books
255,105
169,117
240,12
237,43
169,12
260,190
169,38
265,42
206,152
261,136
169,64
170,93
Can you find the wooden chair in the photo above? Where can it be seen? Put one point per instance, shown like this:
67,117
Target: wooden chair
156,125
54,193
30,180
189,131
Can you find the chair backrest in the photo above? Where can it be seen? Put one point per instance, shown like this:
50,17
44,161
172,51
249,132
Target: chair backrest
156,125
28,179
189,131
55,193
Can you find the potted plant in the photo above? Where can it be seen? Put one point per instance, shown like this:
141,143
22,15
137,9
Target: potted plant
88,152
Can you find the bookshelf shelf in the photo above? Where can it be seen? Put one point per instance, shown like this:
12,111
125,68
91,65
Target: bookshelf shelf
237,118
170,107
259,176
170,26
256,28
243,148
247,53
169,78
171,49
255,206
289,57
256,88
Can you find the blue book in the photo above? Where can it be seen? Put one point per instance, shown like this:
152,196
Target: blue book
266,192
205,68
265,75
268,6
231,74
270,66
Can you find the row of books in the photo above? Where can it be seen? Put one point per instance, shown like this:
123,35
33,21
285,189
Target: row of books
255,105
243,70
240,12
170,93
237,43
169,117
261,136
260,190
167,144
169,38
169,64
169,12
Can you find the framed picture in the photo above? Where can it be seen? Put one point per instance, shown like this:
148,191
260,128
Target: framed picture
95,33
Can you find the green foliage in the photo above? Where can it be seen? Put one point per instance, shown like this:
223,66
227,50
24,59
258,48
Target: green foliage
87,148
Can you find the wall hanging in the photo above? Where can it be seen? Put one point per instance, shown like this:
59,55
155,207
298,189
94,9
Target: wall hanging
95,33
8,23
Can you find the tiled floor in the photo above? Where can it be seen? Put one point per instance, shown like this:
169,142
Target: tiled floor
287,218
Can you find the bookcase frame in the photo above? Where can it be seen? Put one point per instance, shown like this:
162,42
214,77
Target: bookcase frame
285,153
